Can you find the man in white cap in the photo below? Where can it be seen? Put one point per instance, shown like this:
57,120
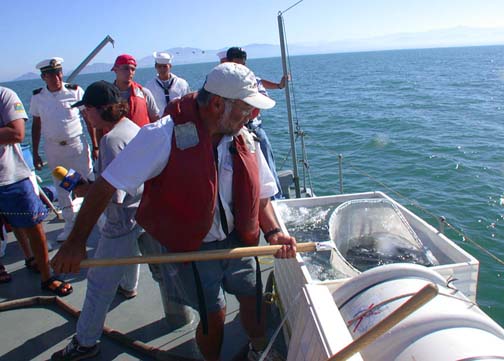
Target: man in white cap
65,143
166,86
206,186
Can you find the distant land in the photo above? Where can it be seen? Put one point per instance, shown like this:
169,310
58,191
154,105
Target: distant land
452,37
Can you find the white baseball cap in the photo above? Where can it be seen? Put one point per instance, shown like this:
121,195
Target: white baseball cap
236,81
162,57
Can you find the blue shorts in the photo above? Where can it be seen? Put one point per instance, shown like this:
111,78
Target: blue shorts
20,205
235,276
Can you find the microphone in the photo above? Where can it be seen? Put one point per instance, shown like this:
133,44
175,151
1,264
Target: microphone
69,178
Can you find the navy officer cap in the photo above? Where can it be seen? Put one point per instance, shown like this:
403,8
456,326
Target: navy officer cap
50,65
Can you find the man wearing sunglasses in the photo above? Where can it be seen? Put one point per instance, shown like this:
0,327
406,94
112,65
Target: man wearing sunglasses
206,187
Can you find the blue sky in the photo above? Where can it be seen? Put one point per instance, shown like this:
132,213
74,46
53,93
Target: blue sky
33,30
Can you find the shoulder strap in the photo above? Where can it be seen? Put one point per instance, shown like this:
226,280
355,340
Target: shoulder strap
36,91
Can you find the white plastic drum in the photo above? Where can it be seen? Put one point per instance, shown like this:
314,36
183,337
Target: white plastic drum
449,327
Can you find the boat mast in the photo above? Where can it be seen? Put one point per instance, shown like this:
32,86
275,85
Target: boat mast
288,103
90,57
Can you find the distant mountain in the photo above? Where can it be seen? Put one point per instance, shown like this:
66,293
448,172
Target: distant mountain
28,76
458,36
95,68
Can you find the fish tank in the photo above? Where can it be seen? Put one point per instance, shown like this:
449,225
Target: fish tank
366,233
369,229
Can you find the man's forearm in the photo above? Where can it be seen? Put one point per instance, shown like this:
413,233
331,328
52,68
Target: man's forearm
13,132
10,136
267,219
36,135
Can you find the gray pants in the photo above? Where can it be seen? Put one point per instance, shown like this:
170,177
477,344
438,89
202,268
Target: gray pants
176,314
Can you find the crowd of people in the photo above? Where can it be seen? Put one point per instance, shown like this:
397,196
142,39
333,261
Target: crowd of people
174,171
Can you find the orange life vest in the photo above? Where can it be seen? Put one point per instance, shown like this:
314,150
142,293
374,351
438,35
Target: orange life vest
138,112
178,205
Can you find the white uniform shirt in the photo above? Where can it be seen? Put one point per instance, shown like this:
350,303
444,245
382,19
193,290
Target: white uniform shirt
178,89
137,163
59,121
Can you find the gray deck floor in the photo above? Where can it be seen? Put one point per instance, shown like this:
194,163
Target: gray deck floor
34,333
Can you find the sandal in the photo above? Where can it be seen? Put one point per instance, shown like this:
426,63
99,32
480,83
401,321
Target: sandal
31,264
5,276
60,290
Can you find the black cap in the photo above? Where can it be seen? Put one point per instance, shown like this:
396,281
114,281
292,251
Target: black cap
100,93
236,53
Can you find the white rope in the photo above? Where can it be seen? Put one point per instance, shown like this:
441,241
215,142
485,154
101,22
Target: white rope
277,330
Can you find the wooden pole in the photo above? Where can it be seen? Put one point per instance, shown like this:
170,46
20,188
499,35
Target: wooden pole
427,293
196,255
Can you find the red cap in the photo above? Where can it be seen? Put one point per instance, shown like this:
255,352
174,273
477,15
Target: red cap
124,59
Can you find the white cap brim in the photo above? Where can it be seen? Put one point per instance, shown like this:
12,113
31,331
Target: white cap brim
259,101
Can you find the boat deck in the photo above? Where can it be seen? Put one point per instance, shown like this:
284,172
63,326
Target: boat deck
35,332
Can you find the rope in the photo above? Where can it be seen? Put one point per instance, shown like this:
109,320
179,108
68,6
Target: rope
374,307
417,205
31,214
279,327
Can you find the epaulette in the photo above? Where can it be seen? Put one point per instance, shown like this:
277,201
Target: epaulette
71,86
36,91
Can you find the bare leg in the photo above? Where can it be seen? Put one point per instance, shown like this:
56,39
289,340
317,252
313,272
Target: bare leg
38,243
210,345
24,242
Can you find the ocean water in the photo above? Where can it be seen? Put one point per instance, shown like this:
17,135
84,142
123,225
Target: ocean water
425,124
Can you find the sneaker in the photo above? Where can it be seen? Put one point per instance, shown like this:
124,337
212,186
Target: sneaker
66,232
73,352
127,293
273,355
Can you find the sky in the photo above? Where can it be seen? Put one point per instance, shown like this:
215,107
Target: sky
34,30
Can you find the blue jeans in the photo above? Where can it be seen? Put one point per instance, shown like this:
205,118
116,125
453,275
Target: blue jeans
103,282
270,159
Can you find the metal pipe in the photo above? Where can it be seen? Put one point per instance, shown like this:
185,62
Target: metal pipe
289,109
340,163
89,58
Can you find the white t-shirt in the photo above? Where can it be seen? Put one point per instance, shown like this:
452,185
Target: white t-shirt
13,168
178,89
148,153
59,121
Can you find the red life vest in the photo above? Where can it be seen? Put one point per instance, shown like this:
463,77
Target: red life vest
138,112
178,205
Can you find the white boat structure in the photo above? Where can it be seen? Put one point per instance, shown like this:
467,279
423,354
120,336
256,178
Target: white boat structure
325,316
